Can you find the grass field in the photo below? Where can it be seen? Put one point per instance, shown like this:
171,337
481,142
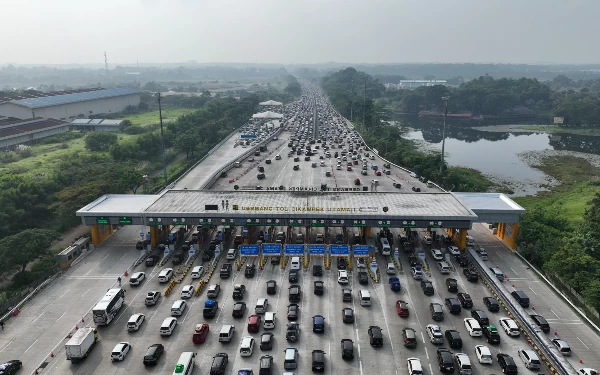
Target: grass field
556,129
580,181
152,117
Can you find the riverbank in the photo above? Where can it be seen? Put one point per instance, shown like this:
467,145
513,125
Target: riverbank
516,128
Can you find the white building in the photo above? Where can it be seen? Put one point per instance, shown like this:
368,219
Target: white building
73,105
96,125
411,83
14,131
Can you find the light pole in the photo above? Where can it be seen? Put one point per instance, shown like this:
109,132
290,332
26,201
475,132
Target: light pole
162,141
445,99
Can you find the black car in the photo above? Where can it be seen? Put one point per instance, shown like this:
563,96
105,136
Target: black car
452,285
275,260
151,261
266,341
347,349
318,361
427,287
465,300
318,324
239,308
294,293
453,306
238,292
140,245
219,364
317,270
413,261
541,322
409,337
507,363
491,334
363,278
250,270
293,276
481,317
271,287
292,332
445,360
153,354
265,365
453,338
319,287
347,315
461,260
491,304
471,274
342,264
375,336
293,311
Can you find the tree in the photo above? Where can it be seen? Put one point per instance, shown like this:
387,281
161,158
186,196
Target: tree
26,246
100,141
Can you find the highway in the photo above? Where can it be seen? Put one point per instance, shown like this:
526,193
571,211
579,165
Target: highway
44,323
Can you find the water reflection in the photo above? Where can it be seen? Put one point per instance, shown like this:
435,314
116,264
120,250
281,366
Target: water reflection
496,154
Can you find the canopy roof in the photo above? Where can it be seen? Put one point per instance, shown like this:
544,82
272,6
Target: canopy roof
270,102
267,114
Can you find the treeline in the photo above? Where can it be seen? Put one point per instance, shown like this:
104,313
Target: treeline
345,89
571,252
504,97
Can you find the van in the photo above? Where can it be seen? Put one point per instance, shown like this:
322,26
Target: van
521,297
137,278
185,365
178,307
165,275
269,320
197,272
231,253
496,272
168,326
365,297
443,267
290,360
261,306
463,363
226,333
530,358
247,346
295,263
437,312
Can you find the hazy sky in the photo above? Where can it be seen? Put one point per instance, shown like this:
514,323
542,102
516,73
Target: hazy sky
299,31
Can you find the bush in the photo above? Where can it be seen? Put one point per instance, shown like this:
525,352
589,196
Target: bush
135,129
100,141
62,137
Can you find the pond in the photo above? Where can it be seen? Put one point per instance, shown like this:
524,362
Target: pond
498,155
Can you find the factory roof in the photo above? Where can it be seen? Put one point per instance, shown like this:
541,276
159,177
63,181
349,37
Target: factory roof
29,125
40,94
49,101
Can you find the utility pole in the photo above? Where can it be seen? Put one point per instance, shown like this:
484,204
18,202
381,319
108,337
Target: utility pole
105,63
445,99
364,102
162,140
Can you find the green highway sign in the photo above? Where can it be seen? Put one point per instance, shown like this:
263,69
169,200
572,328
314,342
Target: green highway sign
124,220
102,220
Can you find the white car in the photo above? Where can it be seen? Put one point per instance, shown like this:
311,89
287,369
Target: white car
277,157
454,250
463,363
135,322
435,334
437,254
247,346
339,167
473,327
120,351
414,366
427,240
322,163
484,355
588,371
361,263
187,291
510,327
342,277
137,278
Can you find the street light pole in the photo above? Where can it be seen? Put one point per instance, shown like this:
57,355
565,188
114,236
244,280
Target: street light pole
445,99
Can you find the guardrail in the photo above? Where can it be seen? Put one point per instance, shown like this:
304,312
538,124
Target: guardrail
554,360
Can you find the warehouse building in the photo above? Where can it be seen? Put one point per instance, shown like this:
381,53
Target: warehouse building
65,106
96,125
14,131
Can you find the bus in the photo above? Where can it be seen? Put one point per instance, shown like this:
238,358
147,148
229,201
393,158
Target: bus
384,246
106,309
185,365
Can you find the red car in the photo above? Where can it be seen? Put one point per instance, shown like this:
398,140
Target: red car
349,168
254,322
200,333
402,308
355,162
377,173
237,240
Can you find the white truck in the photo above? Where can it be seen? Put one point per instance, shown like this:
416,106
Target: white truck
79,346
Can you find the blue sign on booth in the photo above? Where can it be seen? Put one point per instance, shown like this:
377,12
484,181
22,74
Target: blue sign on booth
248,136
171,237
294,249
339,249
361,250
147,236
249,249
316,249
271,249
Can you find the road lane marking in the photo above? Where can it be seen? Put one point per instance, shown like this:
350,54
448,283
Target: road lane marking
105,256
360,367
88,272
514,271
553,312
588,348
63,314
358,347
124,255
357,339
10,342
423,337
30,346
86,292
39,316
64,293
426,353
500,256
534,293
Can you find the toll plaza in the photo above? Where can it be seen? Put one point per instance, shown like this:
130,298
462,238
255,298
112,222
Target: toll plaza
279,212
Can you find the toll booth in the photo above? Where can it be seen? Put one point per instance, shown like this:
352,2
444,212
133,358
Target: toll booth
68,255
